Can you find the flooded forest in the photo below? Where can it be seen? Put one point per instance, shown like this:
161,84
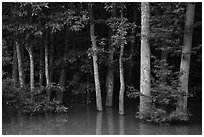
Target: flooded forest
101,68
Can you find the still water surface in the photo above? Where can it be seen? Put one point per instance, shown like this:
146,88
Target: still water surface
85,120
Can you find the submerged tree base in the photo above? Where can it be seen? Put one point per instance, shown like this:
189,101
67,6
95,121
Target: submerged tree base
160,116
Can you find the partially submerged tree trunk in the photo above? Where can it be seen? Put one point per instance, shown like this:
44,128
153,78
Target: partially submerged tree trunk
47,68
41,66
63,72
20,65
186,57
14,66
30,52
51,57
145,83
110,74
95,58
122,81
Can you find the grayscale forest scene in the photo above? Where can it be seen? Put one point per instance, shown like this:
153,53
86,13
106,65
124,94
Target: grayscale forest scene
101,68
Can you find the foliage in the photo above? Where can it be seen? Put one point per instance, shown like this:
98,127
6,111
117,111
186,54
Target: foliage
19,99
165,92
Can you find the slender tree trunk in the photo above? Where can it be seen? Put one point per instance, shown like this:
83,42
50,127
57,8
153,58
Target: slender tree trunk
41,67
47,68
122,82
95,58
30,52
110,74
51,57
63,72
145,83
186,56
20,65
14,66
87,89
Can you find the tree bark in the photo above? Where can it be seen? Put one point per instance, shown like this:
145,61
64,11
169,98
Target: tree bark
63,72
14,66
186,57
51,57
30,52
145,83
110,74
47,68
20,65
122,81
41,67
95,65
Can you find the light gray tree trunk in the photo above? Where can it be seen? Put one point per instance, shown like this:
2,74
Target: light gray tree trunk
95,58
41,67
14,66
145,83
47,68
30,52
51,57
186,57
110,74
20,65
122,82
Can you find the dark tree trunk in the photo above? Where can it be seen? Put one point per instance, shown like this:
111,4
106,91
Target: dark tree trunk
110,74
95,58
63,72
186,57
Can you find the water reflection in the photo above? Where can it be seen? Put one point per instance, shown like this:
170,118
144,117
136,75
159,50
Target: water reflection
121,125
83,120
110,122
99,121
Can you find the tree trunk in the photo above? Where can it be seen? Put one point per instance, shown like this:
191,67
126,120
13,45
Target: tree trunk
186,56
145,83
63,72
95,65
30,52
14,66
41,67
20,65
51,57
110,74
122,82
47,68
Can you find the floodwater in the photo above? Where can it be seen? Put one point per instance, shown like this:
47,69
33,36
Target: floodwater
85,120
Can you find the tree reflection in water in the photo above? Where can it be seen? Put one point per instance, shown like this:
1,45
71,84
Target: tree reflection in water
83,120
